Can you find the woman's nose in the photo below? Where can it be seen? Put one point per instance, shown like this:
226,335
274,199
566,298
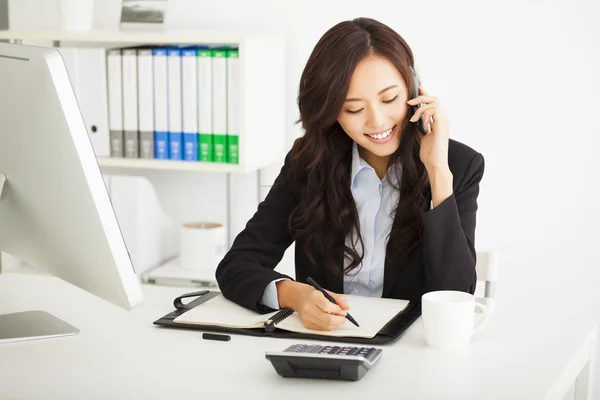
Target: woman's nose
377,119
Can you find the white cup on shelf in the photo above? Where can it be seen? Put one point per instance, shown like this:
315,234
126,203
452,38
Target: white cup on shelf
202,246
76,15
448,318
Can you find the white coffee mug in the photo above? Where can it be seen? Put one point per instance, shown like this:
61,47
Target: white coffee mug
202,246
76,15
448,318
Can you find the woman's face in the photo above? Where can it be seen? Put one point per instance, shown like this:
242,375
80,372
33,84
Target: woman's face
375,107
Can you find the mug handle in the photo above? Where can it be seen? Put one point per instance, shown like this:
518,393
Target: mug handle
485,313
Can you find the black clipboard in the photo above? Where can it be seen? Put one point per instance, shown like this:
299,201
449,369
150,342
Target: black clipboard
388,334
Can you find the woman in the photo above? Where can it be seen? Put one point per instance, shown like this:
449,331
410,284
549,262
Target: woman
376,208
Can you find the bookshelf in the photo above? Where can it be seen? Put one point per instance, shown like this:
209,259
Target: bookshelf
118,163
262,83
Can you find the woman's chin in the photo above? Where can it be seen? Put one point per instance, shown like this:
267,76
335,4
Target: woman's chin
382,150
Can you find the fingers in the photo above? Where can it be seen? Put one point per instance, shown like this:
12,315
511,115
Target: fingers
315,318
317,312
428,110
321,314
340,300
328,320
431,105
423,99
325,305
317,326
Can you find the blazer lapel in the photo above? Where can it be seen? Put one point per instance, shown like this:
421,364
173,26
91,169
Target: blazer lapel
391,272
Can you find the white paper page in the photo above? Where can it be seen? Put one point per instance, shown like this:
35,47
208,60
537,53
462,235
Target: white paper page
222,312
371,313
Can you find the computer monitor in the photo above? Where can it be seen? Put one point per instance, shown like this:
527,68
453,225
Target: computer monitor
55,210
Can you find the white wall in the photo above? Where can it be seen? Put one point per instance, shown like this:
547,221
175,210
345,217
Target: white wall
517,81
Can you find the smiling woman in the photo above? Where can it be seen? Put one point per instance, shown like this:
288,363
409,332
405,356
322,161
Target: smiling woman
376,207
372,117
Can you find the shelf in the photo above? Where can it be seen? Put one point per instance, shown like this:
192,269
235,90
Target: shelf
107,163
261,107
115,36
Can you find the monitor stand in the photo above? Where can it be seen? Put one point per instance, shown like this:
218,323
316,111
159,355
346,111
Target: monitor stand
30,325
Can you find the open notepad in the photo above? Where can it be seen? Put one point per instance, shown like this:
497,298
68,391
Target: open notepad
371,313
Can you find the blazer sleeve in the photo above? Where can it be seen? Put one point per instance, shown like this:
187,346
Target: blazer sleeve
449,235
248,267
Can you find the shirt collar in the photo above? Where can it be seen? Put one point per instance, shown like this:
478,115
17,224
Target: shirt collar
358,164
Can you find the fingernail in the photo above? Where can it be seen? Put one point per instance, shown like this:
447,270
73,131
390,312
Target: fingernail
412,119
410,101
344,313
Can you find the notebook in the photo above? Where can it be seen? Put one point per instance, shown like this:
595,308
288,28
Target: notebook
371,313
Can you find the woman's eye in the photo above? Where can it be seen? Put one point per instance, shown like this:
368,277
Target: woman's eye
354,111
391,100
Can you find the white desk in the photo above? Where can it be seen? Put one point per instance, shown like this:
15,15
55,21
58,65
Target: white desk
121,355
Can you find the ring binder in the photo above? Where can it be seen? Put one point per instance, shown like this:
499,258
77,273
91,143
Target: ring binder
179,304
277,318
387,334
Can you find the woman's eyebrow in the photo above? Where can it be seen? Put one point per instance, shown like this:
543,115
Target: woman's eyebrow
384,90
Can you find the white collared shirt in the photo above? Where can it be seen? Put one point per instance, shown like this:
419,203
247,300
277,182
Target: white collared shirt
375,200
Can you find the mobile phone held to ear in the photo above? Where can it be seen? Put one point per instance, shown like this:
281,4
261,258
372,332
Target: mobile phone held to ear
415,93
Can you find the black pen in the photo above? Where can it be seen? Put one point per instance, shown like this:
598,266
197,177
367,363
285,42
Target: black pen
328,297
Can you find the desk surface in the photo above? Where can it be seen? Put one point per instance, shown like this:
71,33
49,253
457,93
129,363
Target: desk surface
120,354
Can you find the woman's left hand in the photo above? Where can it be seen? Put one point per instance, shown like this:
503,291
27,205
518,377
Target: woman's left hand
434,144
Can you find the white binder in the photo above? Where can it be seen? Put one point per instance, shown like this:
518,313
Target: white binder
130,103
115,102
87,72
145,102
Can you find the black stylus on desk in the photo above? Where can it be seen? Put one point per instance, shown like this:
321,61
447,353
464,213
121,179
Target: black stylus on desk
328,297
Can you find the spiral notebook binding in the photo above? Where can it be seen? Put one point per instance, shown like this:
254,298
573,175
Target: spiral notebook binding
277,318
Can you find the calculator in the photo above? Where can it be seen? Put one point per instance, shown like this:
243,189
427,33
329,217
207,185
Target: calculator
347,363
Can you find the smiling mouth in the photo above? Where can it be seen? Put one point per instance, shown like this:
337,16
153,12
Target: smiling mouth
382,135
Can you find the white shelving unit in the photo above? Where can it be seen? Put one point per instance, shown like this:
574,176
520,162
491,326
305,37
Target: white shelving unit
262,81
116,163
262,109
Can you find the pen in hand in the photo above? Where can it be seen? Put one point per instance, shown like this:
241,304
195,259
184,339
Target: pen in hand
314,284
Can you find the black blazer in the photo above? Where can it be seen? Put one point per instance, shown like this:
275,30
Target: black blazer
444,259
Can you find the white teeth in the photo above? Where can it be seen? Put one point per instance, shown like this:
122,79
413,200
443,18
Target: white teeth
383,135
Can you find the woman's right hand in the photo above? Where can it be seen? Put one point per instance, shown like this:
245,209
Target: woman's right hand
315,311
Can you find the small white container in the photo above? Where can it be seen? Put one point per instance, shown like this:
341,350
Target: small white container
202,246
76,15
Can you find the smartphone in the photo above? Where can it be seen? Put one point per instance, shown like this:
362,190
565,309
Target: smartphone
415,93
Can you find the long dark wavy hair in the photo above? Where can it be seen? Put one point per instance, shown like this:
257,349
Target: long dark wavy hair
320,162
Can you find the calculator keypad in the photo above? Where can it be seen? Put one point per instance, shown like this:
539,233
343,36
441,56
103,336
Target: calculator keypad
365,352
